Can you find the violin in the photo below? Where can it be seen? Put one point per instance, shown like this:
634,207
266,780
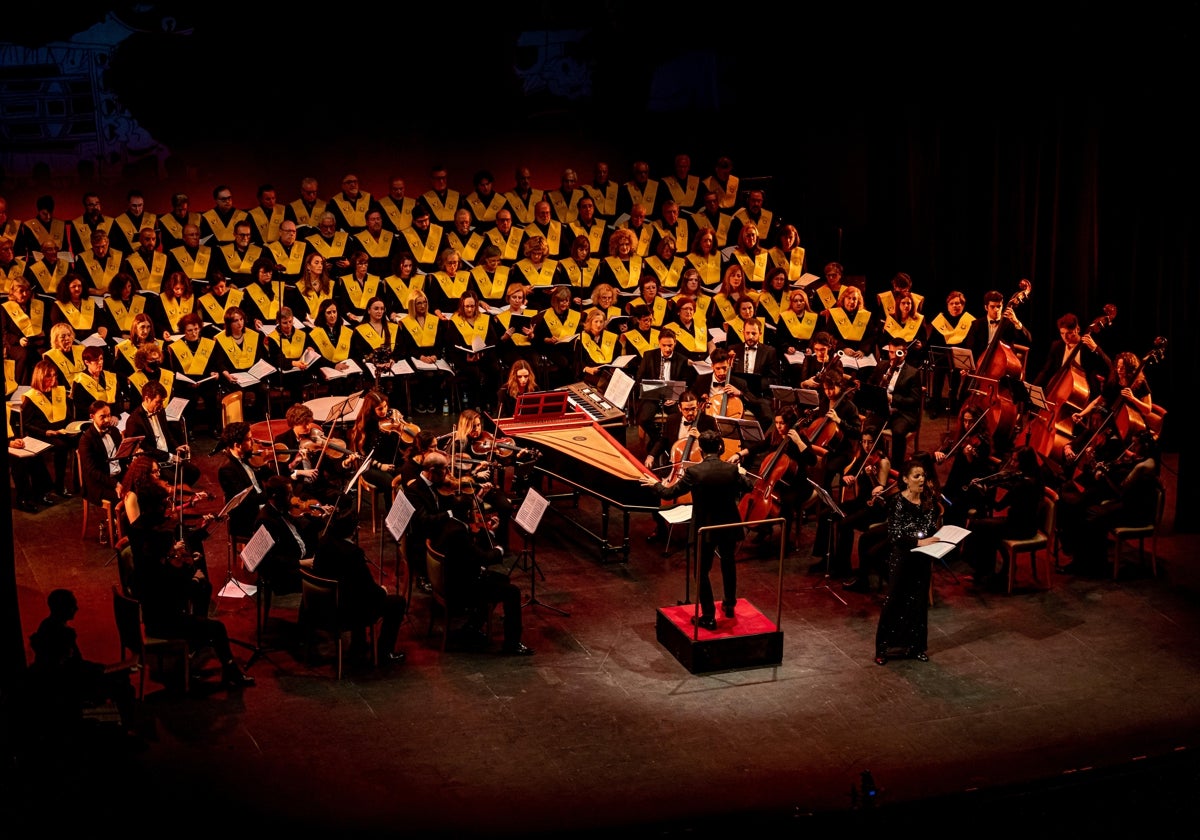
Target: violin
396,423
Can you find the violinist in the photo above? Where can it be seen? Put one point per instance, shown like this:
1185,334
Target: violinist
970,449
295,537
431,508
242,469
834,432
1120,492
866,482
375,434
299,449
473,454
160,440
1089,358
170,575
1023,489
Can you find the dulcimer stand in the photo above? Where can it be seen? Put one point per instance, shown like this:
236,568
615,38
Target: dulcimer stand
833,515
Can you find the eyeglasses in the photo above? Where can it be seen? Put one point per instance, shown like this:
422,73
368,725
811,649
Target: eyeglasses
224,198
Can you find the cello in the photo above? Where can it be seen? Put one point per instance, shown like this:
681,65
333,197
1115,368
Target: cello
997,365
685,452
1068,393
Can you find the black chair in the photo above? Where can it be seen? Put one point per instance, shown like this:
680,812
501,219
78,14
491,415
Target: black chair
319,614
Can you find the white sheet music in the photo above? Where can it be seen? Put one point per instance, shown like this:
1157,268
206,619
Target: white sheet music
351,367
529,516
32,446
174,409
676,515
440,364
619,388
398,516
256,549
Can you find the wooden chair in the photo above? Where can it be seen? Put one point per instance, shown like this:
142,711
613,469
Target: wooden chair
128,614
112,523
1122,534
231,409
319,614
1011,550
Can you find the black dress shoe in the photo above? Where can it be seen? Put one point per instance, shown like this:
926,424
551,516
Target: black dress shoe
424,585
707,622
881,659
63,494
395,657
921,657
516,650
730,609
47,501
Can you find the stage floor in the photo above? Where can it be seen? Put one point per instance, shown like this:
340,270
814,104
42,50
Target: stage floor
1032,702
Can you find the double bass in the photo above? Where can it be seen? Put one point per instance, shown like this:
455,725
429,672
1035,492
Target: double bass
998,365
1068,393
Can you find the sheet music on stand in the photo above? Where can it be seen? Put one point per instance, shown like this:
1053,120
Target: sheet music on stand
799,397
398,516
739,428
662,390
174,409
235,501
962,359
529,515
1037,397
128,446
362,468
620,386
824,496
256,549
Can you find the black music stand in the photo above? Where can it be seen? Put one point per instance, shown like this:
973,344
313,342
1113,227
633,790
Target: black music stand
661,391
528,517
257,650
832,515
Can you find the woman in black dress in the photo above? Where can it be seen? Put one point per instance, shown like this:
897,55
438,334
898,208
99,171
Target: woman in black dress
914,517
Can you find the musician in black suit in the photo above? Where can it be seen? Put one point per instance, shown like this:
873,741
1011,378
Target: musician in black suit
1000,324
661,363
160,440
295,537
1080,351
236,474
758,365
430,510
897,386
720,382
100,472
822,357
688,420
716,487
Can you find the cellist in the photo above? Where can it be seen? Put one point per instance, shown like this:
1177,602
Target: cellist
688,421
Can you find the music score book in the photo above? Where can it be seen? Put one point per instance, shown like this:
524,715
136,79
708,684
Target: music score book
949,536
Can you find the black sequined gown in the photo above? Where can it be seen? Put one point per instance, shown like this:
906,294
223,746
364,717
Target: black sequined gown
904,620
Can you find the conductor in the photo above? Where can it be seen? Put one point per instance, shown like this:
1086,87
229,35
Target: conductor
716,486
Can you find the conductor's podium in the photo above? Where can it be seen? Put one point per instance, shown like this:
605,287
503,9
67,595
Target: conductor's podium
748,640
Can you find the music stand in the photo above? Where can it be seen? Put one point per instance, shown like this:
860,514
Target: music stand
527,519
254,552
739,428
234,588
662,391
831,511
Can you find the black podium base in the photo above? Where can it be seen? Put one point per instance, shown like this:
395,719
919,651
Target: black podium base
748,640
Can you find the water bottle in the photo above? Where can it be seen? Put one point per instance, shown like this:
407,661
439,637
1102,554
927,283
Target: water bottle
445,406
